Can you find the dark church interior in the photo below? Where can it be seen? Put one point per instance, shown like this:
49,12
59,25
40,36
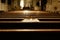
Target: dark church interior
30,14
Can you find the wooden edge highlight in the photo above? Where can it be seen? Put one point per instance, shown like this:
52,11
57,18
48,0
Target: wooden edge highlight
29,22
24,18
27,30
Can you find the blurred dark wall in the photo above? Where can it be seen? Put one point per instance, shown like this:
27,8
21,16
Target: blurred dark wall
9,2
3,1
43,5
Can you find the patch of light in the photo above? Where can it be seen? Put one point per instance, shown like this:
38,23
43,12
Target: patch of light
26,11
30,20
22,3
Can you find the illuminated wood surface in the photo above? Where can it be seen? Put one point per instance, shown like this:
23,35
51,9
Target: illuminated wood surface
29,22
21,30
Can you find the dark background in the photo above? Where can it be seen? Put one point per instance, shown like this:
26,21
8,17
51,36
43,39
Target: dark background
29,26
